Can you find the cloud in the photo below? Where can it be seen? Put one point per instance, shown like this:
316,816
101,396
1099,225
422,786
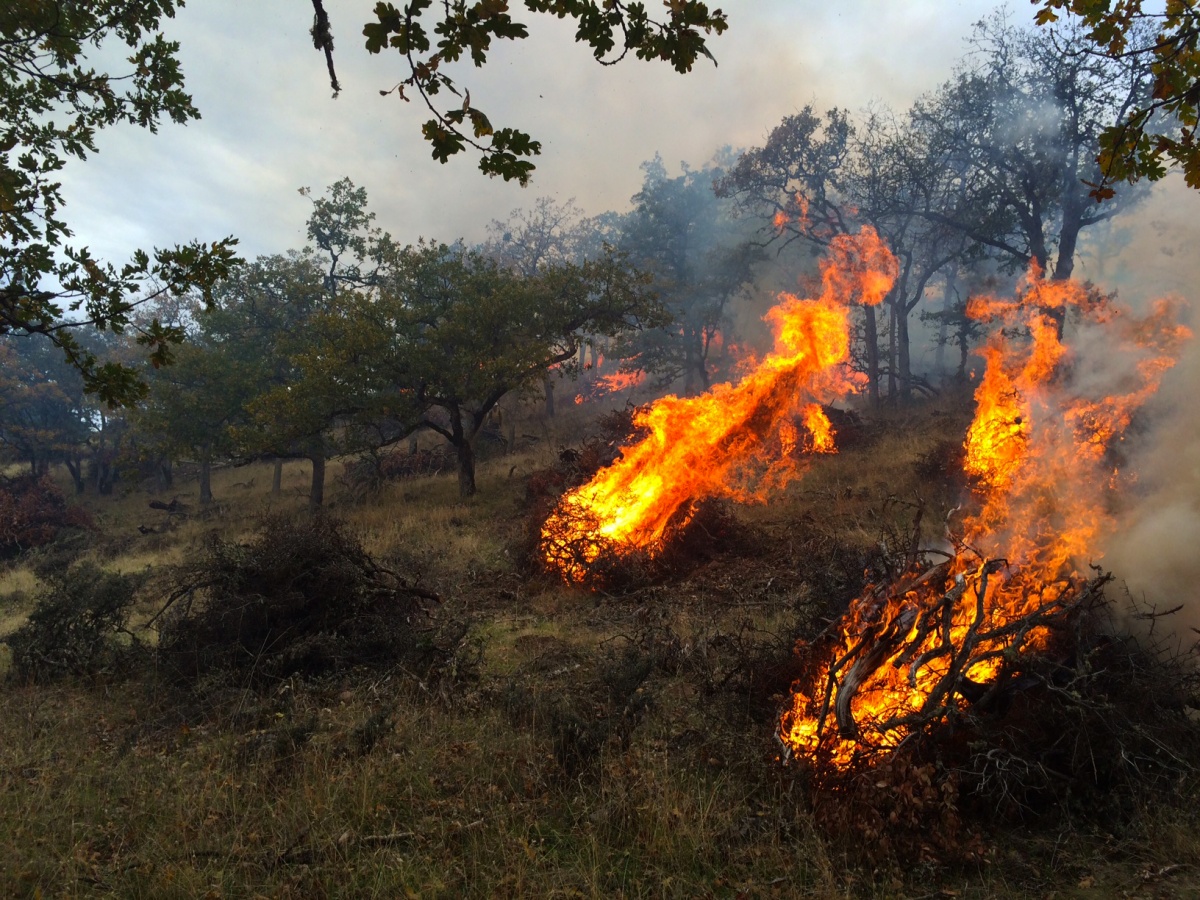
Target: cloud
269,125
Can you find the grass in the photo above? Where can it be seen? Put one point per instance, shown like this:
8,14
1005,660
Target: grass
592,752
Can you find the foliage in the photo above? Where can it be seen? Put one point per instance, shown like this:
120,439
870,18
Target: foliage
700,257
453,332
74,626
44,415
32,512
430,43
300,597
1161,128
1021,125
52,104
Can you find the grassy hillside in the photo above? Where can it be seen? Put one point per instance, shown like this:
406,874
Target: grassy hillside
564,743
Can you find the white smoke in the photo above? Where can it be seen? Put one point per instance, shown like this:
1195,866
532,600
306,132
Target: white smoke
1155,549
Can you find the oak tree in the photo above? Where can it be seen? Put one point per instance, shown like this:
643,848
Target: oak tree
1159,130
430,37
53,101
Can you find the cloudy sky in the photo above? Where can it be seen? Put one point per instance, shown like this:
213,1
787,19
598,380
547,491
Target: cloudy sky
270,126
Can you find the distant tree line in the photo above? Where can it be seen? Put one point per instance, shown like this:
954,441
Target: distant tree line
354,342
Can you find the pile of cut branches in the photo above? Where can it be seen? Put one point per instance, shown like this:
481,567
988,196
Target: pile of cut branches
695,534
1054,710
301,597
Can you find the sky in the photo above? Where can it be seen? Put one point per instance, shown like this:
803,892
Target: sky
270,125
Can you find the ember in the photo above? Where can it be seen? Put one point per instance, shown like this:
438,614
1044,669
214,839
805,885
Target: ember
733,441
908,655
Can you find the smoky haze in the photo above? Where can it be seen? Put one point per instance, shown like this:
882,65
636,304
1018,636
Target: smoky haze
270,127
1153,549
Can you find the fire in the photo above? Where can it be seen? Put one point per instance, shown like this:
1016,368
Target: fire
611,384
820,429
725,443
1039,454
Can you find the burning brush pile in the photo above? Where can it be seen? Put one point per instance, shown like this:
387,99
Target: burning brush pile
734,442
1011,607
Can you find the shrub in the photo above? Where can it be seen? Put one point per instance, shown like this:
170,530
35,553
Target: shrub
32,512
75,626
301,597
370,473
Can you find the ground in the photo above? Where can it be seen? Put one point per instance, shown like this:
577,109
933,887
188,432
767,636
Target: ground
570,742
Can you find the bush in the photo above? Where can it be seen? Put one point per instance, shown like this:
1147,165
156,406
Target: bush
74,627
32,513
300,598
370,473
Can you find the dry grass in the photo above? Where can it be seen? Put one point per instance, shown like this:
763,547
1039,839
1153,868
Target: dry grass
604,747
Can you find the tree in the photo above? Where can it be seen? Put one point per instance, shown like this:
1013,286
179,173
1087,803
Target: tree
464,331
699,257
429,42
52,103
194,404
44,416
549,232
818,177
1161,128
262,323
1021,125
529,240
340,227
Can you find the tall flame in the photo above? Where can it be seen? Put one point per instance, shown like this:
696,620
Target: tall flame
1039,453
727,442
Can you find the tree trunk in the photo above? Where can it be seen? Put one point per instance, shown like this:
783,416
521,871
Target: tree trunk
1068,240
548,384
689,367
903,355
893,346
465,449
943,332
871,338
316,496
75,467
106,475
277,479
206,481
964,351
166,478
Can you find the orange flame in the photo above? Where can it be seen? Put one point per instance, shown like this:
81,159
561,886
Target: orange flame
610,384
720,443
617,381
1037,448
797,214
820,429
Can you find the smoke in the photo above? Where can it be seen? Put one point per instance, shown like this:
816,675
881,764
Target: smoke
1154,548
1146,253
